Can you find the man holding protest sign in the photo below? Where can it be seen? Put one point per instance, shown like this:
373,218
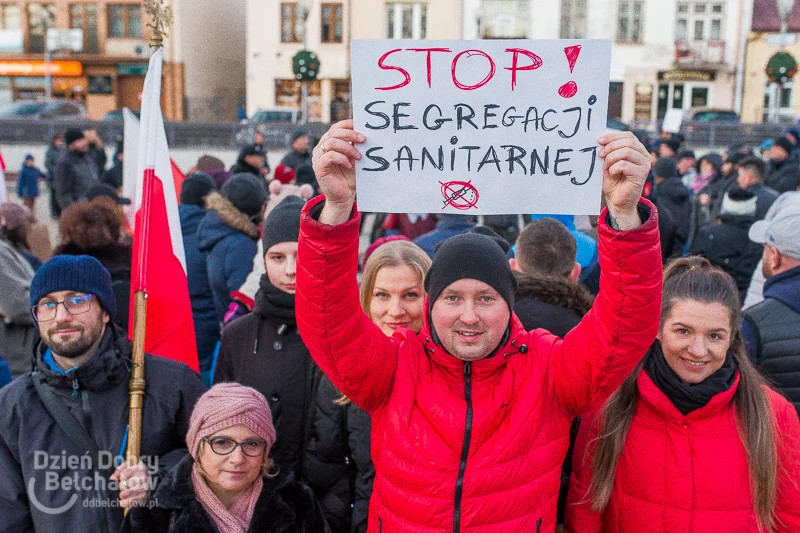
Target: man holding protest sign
471,416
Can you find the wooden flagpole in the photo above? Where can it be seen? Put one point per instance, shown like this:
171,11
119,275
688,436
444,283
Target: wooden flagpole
161,16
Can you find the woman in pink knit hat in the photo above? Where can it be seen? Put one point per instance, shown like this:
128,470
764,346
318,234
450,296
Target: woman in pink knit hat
228,484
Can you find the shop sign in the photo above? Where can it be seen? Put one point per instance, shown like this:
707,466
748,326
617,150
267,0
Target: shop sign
37,68
686,75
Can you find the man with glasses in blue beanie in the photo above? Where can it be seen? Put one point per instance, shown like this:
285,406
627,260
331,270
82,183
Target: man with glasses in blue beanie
64,426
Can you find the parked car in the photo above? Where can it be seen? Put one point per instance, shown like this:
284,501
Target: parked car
714,115
57,110
264,118
116,116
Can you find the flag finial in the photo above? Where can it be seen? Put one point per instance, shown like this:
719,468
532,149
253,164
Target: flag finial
161,16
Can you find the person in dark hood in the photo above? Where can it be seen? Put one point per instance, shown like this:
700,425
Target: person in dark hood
771,329
669,147
670,194
783,171
726,244
250,161
709,171
263,349
75,172
191,211
73,409
228,233
707,187
687,161
299,156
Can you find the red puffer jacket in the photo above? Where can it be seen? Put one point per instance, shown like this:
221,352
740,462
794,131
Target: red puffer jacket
685,474
473,447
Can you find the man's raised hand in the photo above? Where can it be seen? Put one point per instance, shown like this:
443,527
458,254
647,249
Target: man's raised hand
334,166
625,171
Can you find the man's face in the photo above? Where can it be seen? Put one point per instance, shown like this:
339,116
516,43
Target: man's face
281,264
665,151
745,178
72,335
301,144
777,153
767,260
254,160
685,164
470,318
81,145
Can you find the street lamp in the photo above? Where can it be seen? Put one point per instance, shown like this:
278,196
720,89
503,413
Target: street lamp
303,8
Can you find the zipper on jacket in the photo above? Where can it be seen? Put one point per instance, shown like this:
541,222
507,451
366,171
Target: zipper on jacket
75,388
538,525
380,525
462,467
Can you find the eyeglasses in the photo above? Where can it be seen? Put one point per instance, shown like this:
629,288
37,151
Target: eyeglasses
225,446
75,305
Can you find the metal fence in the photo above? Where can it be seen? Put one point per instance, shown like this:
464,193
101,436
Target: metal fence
230,134
179,134
722,134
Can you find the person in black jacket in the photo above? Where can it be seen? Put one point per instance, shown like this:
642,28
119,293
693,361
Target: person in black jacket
726,244
670,194
783,171
299,156
76,172
263,349
338,465
751,177
83,368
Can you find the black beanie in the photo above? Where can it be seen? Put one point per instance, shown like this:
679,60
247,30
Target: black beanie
471,256
665,168
674,144
195,188
247,192
283,223
72,135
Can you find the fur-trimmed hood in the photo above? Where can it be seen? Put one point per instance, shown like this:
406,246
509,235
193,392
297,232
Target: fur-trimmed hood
554,291
221,220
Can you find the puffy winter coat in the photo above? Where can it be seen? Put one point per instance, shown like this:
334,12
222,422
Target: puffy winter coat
686,474
473,446
285,506
28,182
338,465
229,238
550,303
17,329
97,396
204,313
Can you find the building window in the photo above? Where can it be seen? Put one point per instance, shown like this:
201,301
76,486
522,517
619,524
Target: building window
406,21
40,18
9,17
84,17
505,19
289,33
699,20
573,19
629,21
124,20
331,23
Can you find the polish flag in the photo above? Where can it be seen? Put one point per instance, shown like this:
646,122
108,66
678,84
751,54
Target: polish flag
159,263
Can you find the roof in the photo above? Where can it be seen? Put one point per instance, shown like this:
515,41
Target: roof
766,17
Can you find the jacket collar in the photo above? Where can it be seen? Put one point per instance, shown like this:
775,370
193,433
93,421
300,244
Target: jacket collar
104,370
655,398
482,368
555,291
785,287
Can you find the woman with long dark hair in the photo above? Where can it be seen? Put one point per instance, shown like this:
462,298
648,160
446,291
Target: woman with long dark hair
694,440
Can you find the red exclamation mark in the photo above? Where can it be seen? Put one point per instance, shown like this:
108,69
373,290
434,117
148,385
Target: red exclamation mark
570,89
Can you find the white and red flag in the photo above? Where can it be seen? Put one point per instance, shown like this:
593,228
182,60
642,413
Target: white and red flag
159,263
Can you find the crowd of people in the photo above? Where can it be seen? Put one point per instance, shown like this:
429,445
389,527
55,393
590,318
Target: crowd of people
635,371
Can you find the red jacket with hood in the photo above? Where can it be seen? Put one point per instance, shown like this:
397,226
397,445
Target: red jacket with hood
473,447
684,474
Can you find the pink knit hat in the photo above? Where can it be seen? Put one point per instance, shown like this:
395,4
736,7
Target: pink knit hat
226,405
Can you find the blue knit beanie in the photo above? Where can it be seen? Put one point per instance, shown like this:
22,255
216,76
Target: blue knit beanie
79,273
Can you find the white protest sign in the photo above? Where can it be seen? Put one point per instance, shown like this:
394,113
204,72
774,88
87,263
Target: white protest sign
480,127
672,121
